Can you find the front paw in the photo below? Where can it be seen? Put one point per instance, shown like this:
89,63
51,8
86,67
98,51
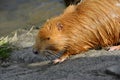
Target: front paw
59,60
113,48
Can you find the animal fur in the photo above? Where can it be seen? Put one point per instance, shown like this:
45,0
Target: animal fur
81,27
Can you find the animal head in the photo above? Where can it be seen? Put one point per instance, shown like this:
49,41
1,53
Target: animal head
50,37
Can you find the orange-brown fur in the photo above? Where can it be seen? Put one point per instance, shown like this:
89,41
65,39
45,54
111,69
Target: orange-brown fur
90,24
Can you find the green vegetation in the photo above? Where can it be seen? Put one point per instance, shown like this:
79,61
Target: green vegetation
5,49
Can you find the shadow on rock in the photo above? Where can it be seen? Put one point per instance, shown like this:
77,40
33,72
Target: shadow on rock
91,65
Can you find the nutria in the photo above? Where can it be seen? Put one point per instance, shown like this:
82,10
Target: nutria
90,24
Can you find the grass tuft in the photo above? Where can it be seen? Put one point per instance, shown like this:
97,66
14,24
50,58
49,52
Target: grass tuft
5,48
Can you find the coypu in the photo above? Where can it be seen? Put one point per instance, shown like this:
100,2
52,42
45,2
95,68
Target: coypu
81,27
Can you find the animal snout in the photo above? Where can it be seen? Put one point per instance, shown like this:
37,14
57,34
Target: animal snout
35,51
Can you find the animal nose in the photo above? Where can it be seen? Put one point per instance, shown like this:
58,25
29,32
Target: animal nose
35,51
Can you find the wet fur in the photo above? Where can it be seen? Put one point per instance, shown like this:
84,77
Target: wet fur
81,27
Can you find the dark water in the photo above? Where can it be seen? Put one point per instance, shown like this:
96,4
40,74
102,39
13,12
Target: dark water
15,14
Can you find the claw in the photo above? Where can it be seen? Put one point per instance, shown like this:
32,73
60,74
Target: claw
58,61
113,48
61,59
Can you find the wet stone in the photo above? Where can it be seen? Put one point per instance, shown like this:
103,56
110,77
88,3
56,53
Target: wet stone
114,70
5,64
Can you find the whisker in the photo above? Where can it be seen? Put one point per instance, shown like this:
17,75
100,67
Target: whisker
49,58
51,55
56,55
46,59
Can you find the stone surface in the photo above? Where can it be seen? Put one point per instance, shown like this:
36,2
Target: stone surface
88,66
114,70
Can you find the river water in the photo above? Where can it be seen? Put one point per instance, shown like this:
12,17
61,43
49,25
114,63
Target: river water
15,14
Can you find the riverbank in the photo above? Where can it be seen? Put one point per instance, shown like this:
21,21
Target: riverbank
17,40
91,65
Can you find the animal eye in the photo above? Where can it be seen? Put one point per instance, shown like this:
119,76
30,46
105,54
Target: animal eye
48,38
44,39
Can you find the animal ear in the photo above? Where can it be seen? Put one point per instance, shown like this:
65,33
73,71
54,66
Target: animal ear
59,26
